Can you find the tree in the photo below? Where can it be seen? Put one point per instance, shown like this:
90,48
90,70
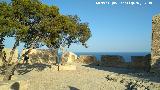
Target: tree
36,24
64,31
7,24
4,24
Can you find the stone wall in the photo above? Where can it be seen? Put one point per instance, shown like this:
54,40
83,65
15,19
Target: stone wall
112,61
141,62
68,57
138,62
88,59
155,51
41,56
7,51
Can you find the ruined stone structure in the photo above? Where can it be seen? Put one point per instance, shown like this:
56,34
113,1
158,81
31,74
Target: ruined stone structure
138,62
155,53
141,62
68,57
41,56
7,51
112,60
88,59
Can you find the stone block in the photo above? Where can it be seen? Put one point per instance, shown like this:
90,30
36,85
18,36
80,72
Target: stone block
88,59
138,62
68,57
112,60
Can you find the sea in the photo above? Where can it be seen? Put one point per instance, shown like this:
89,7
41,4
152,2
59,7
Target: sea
126,55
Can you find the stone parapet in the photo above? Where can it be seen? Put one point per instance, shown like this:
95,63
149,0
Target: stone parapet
112,61
88,59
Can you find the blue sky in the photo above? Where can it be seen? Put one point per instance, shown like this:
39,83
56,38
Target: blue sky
119,28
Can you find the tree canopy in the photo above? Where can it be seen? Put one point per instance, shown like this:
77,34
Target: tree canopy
36,24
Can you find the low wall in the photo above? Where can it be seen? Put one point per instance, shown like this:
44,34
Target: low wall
88,59
41,56
137,62
141,62
68,57
7,51
112,61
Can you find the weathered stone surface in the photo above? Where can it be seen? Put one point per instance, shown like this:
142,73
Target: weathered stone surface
88,59
112,60
7,51
141,62
41,56
69,57
155,53
147,59
97,63
138,62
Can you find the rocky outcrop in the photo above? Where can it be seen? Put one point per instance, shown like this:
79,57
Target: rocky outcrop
112,61
155,51
88,59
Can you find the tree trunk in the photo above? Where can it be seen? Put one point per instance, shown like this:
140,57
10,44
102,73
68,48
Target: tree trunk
63,58
1,45
9,72
13,50
2,54
56,55
4,59
10,68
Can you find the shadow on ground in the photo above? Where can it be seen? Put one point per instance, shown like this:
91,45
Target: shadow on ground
15,86
73,88
25,68
132,72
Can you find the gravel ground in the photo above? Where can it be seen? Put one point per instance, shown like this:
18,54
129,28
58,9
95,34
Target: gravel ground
90,78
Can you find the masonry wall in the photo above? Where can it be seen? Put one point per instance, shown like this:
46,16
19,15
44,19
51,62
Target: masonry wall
155,51
41,56
7,51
